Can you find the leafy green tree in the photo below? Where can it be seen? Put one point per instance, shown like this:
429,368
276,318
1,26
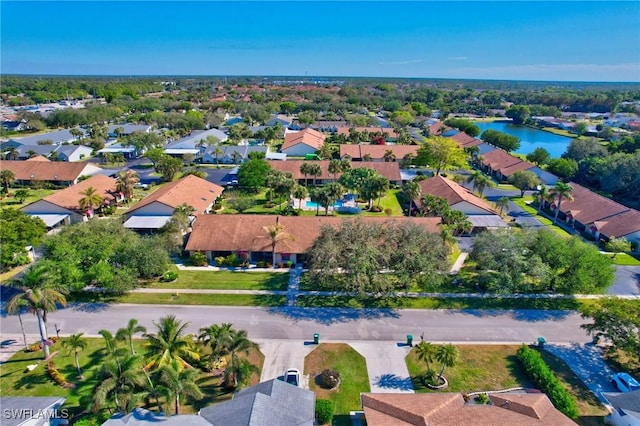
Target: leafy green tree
238,132
241,203
76,343
155,155
559,192
563,167
518,113
464,125
238,370
216,337
252,174
524,180
181,382
7,178
402,118
315,170
357,179
168,166
618,321
617,245
126,183
580,149
501,140
127,333
18,230
539,156
299,192
170,345
543,195
410,191
21,195
441,153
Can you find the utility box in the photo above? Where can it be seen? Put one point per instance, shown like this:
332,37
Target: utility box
409,340
316,338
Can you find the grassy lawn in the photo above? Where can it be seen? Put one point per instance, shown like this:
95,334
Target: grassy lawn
455,253
560,132
493,367
34,195
441,303
225,280
183,299
16,381
522,203
389,201
8,275
353,375
625,260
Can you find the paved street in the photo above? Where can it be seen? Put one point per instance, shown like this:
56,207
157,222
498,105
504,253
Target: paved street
627,281
332,323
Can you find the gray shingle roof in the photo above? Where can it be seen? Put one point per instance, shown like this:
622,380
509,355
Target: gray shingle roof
269,403
140,416
18,410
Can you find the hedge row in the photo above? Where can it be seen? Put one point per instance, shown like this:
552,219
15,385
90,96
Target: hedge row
538,370
324,411
57,376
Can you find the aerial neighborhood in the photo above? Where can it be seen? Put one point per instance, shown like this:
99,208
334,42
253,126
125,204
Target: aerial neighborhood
262,251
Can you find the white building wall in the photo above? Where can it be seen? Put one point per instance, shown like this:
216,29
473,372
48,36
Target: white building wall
153,209
468,209
299,150
45,207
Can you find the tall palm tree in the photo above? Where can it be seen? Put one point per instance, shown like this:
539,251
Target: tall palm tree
216,337
305,169
15,306
170,345
447,355
126,183
389,156
299,192
127,333
480,181
119,381
236,370
502,203
39,294
543,195
76,343
315,170
13,154
90,199
7,177
366,157
217,151
559,192
426,351
335,167
411,191
275,233
181,382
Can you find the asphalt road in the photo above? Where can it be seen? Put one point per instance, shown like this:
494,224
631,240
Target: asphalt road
332,323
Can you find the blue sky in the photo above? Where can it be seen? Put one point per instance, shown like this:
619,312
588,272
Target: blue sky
515,40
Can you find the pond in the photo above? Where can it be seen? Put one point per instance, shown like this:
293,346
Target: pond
530,138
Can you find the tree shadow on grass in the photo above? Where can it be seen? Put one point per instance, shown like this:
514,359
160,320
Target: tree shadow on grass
332,315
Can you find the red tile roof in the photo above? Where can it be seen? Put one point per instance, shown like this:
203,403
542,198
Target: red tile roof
390,170
465,141
245,232
192,190
619,225
452,192
69,198
449,409
307,136
38,158
505,163
376,152
347,130
587,206
61,171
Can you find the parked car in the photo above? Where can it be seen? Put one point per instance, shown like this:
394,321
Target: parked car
292,376
624,382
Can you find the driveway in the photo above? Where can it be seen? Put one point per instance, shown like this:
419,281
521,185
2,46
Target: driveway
280,355
586,361
386,366
627,281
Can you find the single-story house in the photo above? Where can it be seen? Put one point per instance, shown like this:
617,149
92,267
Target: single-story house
57,137
459,198
283,119
626,408
301,143
55,172
231,154
24,152
449,409
221,235
63,207
140,416
13,125
128,128
377,152
72,153
328,126
501,164
389,134
32,410
155,210
269,403
195,143
465,141
622,225
391,171
117,148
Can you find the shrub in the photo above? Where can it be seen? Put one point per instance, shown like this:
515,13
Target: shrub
328,379
232,260
57,376
199,258
324,411
538,370
169,276
388,211
290,264
219,261
261,264
482,398
375,209
280,264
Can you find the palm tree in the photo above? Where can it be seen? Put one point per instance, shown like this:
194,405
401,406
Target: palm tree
76,133
40,296
127,333
276,233
411,191
447,355
366,157
425,352
237,368
170,345
502,203
181,382
315,170
118,381
389,156
15,306
216,336
335,167
300,192
235,156
90,199
13,154
543,195
305,169
561,191
7,177
480,181
217,151
126,183
76,343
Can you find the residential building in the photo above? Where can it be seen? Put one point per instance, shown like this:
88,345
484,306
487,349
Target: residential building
501,164
449,409
465,141
377,152
231,154
625,408
32,411
72,153
269,403
54,172
57,137
140,417
194,144
63,207
155,210
391,171
221,235
128,128
389,134
299,144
